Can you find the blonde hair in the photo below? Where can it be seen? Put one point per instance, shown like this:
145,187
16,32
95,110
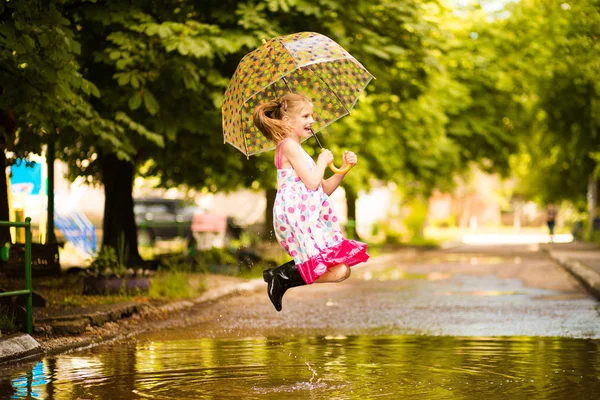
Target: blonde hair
268,117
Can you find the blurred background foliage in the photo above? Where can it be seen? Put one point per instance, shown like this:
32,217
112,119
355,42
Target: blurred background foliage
126,89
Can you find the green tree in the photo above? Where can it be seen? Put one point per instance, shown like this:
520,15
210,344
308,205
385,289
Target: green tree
560,43
485,116
154,64
43,93
397,43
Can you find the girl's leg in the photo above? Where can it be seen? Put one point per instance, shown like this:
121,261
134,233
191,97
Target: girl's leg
338,273
287,276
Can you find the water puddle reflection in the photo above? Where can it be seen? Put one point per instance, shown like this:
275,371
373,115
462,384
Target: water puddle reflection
393,273
483,293
173,366
472,259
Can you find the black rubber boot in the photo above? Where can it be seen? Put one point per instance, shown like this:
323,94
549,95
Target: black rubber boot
281,279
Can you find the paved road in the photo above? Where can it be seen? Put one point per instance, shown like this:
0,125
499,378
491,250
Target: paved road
466,291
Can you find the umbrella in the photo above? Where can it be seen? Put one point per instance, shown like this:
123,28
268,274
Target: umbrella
307,63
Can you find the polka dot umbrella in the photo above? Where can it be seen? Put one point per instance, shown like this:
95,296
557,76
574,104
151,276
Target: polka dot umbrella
308,63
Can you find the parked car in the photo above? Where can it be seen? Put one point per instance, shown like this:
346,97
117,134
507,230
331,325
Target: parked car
166,219
158,218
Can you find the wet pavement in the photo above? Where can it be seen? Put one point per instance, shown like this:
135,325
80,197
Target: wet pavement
467,291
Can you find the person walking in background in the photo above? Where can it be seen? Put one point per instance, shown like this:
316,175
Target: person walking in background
303,217
551,220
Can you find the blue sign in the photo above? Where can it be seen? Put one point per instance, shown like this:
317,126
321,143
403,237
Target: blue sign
26,177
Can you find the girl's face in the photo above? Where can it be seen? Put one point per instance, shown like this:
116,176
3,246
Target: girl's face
303,121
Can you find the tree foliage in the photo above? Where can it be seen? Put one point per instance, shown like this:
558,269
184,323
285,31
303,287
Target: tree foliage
138,85
559,44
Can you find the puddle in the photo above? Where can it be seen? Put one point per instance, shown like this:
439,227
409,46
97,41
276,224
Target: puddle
472,259
337,367
394,273
484,293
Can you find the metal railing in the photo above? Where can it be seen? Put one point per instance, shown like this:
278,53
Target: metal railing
27,291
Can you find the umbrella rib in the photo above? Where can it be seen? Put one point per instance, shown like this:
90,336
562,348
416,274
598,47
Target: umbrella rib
244,137
286,84
329,87
313,132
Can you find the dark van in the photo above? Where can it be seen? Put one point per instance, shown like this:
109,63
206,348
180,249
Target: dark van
158,218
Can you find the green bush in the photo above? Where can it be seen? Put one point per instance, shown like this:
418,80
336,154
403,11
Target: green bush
178,263
216,256
107,263
448,222
422,242
415,221
392,237
376,228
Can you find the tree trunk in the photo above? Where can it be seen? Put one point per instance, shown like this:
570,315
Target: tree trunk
269,235
4,216
50,157
592,193
8,127
119,228
592,197
351,198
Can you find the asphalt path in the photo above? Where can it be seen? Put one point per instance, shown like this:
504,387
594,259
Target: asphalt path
507,290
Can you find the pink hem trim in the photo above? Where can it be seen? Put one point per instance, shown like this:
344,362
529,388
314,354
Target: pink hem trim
349,252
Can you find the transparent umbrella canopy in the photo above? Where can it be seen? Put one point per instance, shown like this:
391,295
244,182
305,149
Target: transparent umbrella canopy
306,63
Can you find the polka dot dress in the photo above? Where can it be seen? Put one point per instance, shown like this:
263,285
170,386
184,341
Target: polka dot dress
307,227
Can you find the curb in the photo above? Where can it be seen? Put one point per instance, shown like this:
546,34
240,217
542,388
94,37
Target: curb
78,323
19,347
60,345
211,295
588,277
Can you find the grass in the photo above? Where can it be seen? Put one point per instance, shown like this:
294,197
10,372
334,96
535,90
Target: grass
177,279
174,285
66,291
7,320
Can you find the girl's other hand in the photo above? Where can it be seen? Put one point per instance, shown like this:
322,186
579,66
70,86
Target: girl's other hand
349,158
325,157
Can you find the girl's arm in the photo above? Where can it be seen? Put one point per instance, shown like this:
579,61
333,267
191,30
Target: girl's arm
294,154
333,182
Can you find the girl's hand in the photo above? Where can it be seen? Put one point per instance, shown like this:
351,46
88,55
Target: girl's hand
349,158
325,157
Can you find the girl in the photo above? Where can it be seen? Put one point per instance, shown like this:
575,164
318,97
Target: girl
303,216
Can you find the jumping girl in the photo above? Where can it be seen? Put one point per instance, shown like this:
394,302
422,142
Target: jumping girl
303,217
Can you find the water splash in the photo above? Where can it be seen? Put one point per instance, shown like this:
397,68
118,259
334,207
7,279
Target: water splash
314,374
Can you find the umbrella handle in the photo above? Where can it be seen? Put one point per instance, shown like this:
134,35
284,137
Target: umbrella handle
338,170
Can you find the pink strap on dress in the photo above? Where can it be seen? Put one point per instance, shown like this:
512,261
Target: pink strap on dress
278,154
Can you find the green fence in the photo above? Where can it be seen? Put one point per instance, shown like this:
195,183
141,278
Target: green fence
27,291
